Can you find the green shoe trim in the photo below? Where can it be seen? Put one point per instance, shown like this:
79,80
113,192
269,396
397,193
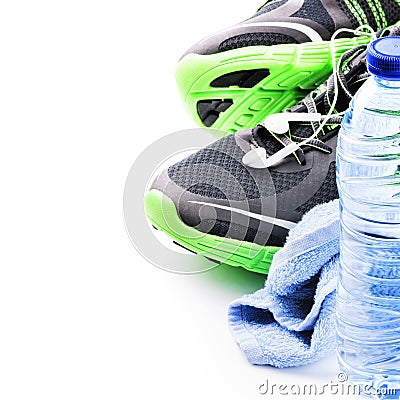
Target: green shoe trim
161,212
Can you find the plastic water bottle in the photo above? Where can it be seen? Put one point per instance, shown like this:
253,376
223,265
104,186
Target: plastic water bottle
368,177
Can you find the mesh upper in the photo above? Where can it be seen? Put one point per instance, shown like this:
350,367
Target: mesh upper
392,11
217,172
311,9
272,5
345,9
377,15
327,192
255,39
314,10
369,14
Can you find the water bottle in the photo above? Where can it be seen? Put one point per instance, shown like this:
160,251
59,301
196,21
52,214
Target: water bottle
368,177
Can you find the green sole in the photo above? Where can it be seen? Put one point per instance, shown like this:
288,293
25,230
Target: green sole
294,70
161,212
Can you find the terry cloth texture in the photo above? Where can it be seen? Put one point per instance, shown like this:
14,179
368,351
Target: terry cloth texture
291,322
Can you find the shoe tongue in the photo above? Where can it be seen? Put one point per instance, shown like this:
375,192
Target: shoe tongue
264,139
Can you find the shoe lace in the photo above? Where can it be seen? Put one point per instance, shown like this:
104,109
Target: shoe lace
277,125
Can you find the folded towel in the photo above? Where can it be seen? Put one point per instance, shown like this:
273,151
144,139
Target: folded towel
291,321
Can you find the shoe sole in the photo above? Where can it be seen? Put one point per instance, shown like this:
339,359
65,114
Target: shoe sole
162,214
237,89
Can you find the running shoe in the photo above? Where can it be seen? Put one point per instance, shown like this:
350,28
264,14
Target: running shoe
233,79
219,203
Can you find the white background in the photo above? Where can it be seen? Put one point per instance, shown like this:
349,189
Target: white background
85,86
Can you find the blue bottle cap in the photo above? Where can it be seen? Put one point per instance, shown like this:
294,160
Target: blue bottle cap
383,57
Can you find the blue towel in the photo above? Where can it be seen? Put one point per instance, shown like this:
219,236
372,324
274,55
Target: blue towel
291,321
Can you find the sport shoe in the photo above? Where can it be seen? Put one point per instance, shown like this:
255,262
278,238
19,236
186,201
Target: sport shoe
214,204
233,79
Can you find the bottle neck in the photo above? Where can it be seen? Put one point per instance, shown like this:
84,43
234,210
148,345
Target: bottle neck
391,83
